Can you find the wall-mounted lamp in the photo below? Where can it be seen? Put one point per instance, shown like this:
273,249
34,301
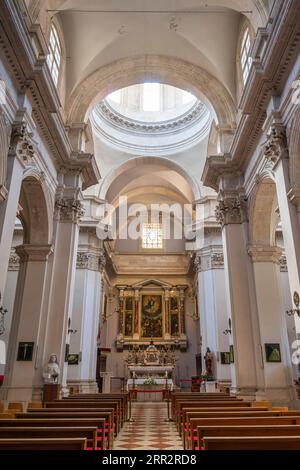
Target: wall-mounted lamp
228,331
296,310
3,312
72,332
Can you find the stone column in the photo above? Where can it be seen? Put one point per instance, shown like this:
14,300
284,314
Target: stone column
278,375
136,314
167,314
276,153
246,372
209,266
85,319
20,152
24,378
68,210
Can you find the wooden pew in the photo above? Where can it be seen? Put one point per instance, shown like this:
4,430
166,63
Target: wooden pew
122,403
43,444
245,421
124,397
193,420
205,404
252,443
31,422
248,431
89,433
83,412
104,437
95,404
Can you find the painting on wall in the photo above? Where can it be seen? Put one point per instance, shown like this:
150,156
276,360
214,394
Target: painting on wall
25,351
151,316
73,359
273,353
225,358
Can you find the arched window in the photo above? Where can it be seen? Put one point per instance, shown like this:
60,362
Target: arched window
54,56
246,59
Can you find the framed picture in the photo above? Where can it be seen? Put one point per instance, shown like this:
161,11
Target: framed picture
152,319
25,351
73,359
273,353
225,357
231,354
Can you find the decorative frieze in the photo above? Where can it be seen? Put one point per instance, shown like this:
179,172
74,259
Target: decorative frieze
283,264
68,210
276,148
232,209
207,260
90,261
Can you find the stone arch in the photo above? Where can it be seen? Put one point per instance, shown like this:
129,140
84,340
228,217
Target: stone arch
263,216
168,70
130,165
35,210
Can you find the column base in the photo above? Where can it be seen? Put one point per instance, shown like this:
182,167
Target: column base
247,393
282,396
82,386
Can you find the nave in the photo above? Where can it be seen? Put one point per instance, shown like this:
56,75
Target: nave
149,430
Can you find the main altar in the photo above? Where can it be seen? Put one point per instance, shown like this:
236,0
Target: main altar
150,371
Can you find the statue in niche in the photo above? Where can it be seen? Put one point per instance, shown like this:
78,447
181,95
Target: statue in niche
208,358
52,370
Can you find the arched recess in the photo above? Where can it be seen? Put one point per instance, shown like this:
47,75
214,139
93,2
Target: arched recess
264,217
114,183
35,211
138,69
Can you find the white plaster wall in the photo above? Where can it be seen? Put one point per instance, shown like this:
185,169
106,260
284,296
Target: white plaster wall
8,303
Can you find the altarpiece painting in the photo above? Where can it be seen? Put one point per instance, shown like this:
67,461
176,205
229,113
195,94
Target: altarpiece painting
151,316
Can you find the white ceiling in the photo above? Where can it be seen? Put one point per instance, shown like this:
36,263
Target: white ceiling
207,39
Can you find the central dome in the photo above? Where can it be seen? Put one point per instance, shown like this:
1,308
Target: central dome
151,102
151,119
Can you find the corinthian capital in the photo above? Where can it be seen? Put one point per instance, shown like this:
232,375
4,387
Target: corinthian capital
21,144
68,210
276,148
232,208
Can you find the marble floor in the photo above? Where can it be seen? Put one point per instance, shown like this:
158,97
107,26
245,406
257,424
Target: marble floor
149,431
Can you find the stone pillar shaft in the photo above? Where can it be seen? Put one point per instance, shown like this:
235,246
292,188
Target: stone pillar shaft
24,378
272,324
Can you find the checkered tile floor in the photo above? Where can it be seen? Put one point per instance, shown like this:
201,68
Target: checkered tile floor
149,431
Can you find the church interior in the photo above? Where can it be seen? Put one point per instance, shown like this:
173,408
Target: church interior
150,225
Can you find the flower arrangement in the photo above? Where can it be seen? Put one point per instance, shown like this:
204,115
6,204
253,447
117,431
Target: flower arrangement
149,381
